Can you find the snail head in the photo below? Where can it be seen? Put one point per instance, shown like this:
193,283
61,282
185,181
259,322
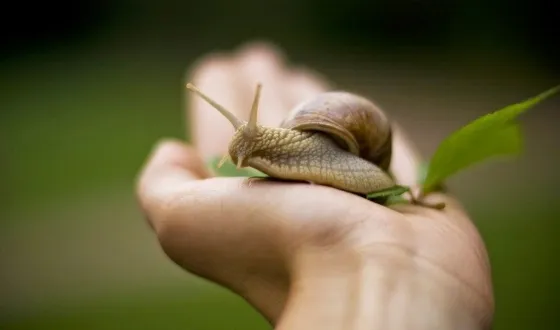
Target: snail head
246,132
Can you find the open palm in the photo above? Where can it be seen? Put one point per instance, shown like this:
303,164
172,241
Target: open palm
260,239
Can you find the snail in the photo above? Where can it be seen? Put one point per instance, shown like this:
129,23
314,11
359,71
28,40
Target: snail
337,139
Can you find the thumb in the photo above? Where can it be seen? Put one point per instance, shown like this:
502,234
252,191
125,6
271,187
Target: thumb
169,167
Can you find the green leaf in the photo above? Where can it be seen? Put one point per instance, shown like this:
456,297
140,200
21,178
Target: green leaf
423,172
495,134
230,170
393,191
393,200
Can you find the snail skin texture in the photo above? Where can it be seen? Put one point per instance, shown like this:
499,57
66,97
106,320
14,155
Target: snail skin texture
336,139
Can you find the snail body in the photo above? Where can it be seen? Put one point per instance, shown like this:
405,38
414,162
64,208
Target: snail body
336,139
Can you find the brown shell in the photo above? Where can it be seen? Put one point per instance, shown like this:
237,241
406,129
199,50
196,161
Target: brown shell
357,124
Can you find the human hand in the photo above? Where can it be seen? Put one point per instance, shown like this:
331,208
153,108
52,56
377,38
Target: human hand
309,256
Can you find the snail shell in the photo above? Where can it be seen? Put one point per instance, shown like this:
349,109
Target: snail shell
352,121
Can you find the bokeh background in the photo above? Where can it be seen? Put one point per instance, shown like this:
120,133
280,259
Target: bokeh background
87,88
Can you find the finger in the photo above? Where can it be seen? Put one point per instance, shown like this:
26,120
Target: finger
406,159
216,76
170,165
303,84
260,62
262,47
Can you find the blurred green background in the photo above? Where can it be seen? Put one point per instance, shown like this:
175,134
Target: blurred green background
88,87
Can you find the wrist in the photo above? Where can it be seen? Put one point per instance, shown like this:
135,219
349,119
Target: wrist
387,289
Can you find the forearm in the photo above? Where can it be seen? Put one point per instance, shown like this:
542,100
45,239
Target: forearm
389,291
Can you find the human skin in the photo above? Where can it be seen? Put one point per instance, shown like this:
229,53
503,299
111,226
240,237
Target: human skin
309,256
